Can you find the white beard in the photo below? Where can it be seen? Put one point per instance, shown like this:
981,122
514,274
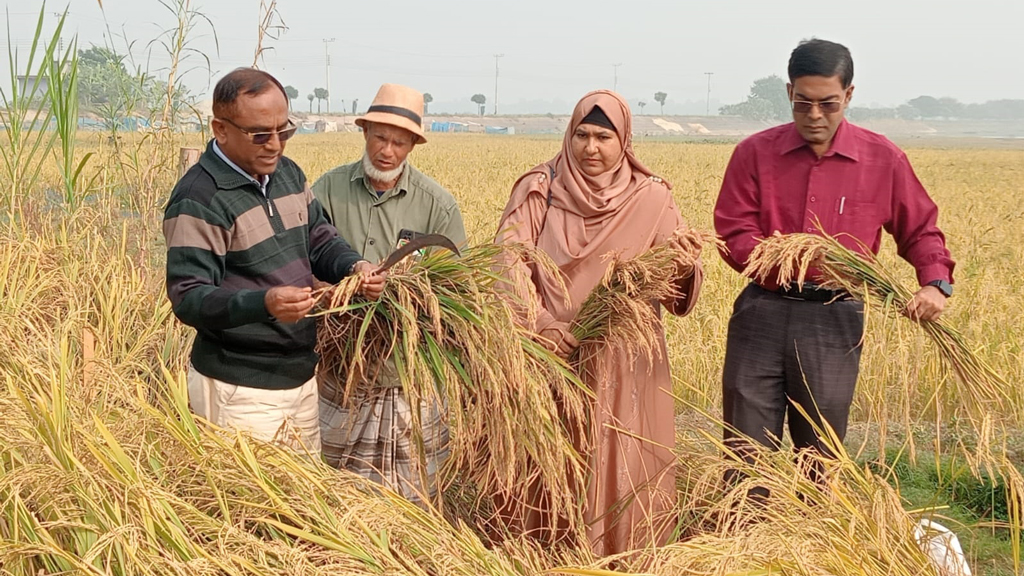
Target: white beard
381,175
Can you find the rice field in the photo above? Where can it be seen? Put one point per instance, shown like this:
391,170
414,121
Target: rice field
977,192
101,468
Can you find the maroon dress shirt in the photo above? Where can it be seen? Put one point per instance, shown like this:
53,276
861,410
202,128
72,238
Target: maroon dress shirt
864,183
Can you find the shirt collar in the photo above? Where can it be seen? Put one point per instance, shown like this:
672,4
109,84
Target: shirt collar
843,143
262,183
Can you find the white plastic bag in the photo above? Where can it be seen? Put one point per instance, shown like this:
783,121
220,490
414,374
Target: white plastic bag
942,547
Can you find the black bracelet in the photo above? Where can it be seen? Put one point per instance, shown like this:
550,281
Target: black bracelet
352,268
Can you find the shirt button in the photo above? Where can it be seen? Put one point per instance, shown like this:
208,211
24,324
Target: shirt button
810,229
812,199
372,242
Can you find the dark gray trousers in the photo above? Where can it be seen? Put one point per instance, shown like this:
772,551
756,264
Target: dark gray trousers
781,351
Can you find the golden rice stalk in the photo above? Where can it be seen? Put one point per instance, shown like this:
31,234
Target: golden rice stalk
108,483
619,309
148,490
848,522
795,257
450,330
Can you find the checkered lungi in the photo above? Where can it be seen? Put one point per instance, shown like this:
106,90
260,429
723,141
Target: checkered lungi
372,435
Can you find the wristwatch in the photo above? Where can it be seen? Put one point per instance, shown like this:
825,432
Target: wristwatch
945,287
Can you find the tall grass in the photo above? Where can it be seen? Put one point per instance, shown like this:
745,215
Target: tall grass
26,119
271,25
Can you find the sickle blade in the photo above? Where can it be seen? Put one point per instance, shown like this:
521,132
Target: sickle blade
416,244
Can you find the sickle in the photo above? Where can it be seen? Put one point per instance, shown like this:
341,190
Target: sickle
417,243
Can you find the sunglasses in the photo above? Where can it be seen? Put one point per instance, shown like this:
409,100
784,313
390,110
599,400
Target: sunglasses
827,107
261,138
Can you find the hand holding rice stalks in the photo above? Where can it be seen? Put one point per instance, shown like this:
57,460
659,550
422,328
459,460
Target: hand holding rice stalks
619,309
795,257
451,332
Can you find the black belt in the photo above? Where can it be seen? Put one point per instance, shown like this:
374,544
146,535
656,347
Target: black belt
811,292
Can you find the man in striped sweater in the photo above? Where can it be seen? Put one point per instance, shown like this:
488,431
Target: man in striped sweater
245,238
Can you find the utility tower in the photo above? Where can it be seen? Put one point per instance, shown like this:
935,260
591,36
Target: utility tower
496,57
707,108
327,65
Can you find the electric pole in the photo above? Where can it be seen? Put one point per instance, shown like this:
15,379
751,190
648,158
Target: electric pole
496,57
707,109
327,63
615,83
60,41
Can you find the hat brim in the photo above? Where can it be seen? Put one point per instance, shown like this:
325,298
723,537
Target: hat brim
392,120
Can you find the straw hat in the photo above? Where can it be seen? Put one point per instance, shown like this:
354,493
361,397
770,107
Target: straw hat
398,106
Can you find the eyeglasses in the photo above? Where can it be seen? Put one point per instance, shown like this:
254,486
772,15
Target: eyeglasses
261,138
827,107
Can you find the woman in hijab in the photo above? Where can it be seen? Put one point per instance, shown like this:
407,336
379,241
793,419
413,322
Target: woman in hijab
593,199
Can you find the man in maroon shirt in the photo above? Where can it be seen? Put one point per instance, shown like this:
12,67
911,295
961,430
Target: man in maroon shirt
801,344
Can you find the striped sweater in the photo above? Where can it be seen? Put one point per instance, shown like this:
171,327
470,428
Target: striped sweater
227,245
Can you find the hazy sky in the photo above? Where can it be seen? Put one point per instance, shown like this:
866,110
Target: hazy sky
555,50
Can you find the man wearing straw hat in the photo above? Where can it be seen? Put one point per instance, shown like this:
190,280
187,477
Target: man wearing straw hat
245,237
382,201
799,345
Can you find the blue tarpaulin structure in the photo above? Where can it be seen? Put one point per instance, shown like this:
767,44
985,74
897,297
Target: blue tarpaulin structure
436,126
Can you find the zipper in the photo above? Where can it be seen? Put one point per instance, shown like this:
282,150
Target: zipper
275,220
266,196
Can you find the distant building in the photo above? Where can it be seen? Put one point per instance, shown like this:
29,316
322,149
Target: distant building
30,82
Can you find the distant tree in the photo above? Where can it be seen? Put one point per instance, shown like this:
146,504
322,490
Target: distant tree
101,76
772,89
321,94
108,88
953,107
480,101
427,99
931,107
641,104
767,100
753,108
310,97
292,93
660,98
861,114
927,106
355,105
907,112
996,110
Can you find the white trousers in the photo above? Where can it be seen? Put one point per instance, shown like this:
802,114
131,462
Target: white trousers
288,417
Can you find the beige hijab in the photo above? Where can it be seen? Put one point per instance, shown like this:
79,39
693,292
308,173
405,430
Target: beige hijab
589,217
